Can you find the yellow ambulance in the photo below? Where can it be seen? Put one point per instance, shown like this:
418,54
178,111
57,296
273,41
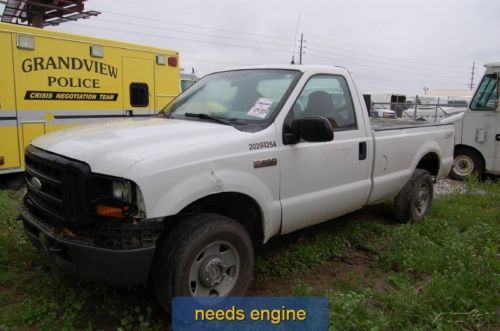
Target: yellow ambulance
51,80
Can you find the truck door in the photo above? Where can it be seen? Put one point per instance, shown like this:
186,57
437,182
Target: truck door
323,180
480,123
138,87
9,141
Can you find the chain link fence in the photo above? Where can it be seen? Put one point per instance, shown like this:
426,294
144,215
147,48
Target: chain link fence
423,108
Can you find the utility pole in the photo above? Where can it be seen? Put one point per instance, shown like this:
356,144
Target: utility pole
471,85
301,44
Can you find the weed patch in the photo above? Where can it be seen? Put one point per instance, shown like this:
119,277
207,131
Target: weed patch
375,273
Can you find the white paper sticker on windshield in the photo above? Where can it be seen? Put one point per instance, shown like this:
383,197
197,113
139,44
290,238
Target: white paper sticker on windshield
261,108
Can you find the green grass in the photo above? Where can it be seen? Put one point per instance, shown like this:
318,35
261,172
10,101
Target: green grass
446,264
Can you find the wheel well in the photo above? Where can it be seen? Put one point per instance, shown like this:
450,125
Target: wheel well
239,207
430,162
471,150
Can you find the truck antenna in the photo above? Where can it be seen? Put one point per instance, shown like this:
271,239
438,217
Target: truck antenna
295,40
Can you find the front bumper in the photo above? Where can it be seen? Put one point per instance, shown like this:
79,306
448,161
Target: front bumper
117,267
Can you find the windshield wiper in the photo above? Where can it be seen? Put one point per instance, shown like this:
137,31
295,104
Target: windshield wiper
210,117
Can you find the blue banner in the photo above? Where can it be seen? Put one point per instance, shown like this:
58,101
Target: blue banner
250,313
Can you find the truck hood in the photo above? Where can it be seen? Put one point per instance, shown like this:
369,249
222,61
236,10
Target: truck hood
120,144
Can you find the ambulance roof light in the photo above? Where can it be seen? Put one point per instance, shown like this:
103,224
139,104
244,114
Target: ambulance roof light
161,59
25,42
96,51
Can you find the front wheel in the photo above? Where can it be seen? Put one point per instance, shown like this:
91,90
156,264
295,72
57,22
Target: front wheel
414,201
206,255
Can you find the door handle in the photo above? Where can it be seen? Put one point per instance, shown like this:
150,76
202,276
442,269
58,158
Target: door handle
497,137
362,150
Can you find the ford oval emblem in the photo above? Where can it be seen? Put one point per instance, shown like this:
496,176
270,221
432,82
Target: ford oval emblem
37,184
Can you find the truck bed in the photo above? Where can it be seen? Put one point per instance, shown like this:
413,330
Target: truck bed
381,124
400,145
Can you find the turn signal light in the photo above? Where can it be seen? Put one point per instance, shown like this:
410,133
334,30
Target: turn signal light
113,212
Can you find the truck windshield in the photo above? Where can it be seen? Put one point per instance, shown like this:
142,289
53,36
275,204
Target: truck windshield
487,94
237,97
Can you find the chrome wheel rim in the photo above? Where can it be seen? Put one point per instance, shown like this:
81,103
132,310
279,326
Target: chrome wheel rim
463,165
214,270
422,199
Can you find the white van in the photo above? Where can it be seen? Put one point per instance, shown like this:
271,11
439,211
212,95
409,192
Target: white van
477,131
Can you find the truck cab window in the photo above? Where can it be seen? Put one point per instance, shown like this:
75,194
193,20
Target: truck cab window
139,95
487,94
327,96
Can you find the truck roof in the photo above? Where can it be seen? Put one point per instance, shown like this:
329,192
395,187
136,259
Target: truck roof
298,67
28,30
492,65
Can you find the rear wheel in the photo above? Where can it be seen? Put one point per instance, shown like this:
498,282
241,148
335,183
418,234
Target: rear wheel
414,201
205,255
466,162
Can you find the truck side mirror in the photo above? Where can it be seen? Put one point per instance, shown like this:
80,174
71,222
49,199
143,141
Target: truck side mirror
312,129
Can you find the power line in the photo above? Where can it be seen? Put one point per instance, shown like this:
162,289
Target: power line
227,44
189,59
149,19
385,57
385,63
238,45
265,42
191,32
382,68
183,39
137,4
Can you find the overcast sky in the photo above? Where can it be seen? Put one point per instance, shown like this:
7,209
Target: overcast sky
394,46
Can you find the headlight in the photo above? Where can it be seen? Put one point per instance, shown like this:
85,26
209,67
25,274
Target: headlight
116,198
122,190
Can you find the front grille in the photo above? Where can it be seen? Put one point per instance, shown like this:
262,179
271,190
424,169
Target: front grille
56,188
49,198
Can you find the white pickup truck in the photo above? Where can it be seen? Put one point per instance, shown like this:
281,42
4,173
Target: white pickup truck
240,157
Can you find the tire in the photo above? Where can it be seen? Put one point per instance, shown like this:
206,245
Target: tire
466,162
205,255
414,201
